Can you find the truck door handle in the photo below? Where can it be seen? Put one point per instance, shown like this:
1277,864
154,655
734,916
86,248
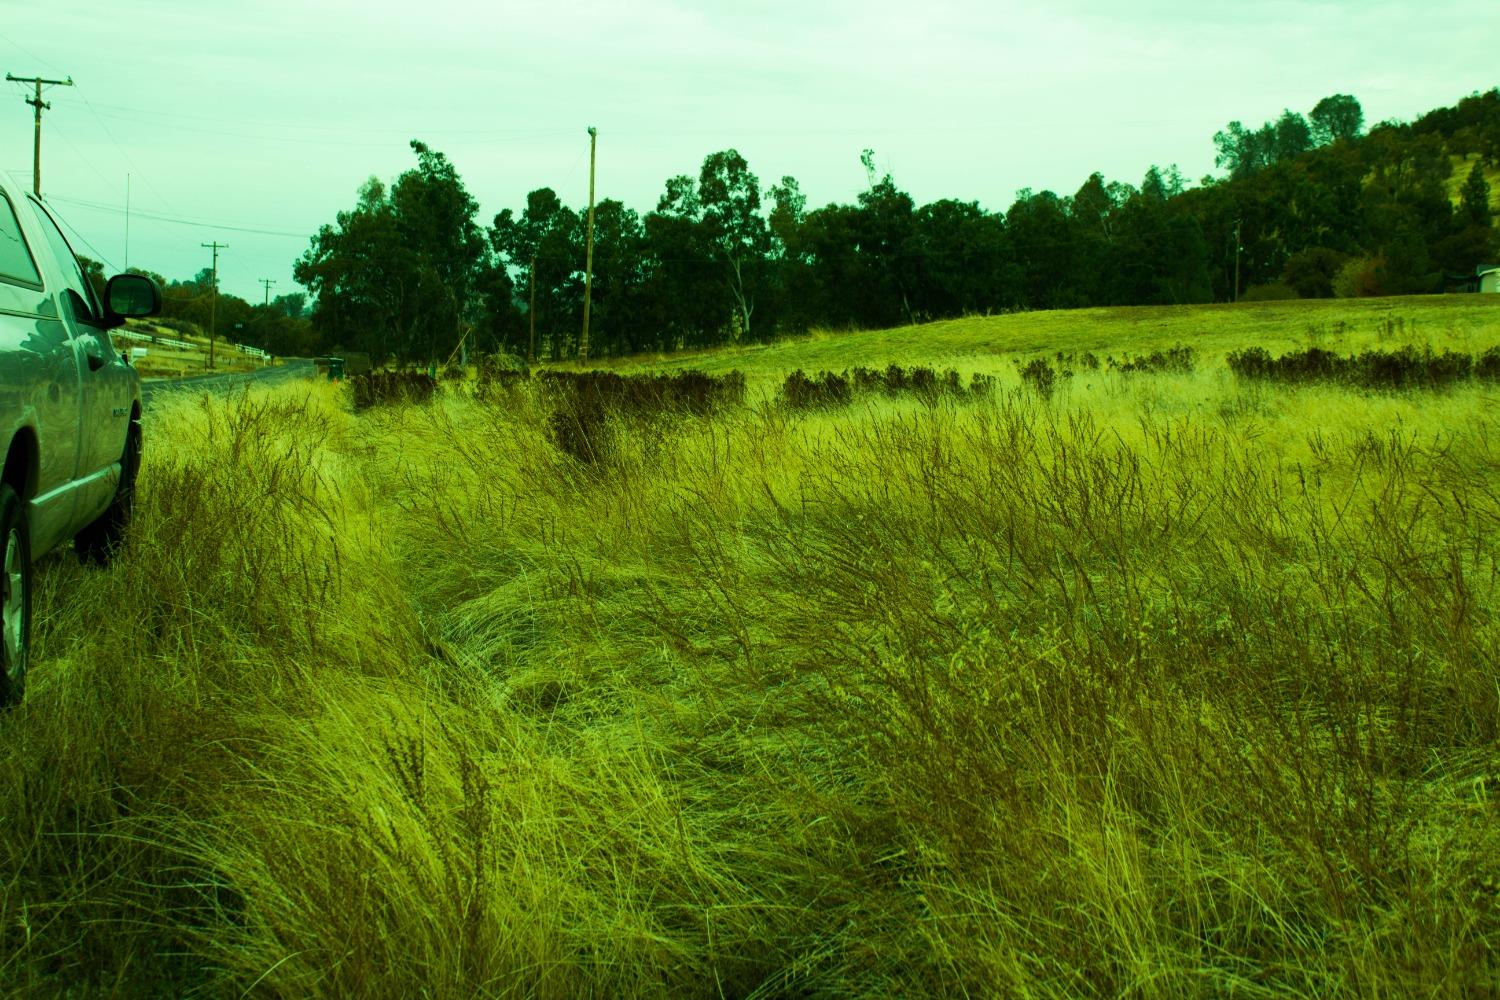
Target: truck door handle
95,362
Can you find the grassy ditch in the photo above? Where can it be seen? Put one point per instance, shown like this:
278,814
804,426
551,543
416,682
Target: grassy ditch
1160,686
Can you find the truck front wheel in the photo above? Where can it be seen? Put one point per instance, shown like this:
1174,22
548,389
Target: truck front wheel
15,596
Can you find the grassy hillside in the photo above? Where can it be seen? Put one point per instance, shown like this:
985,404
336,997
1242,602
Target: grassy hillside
992,343
1461,167
1167,686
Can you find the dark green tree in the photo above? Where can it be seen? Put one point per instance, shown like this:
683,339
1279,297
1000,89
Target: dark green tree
437,220
1293,137
293,305
397,275
885,224
1310,272
683,291
358,273
616,319
1042,240
728,202
1474,197
1336,117
962,258
551,234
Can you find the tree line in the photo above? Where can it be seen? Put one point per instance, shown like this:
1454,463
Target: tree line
1307,206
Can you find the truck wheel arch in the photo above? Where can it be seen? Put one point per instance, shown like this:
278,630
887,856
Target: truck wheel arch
21,460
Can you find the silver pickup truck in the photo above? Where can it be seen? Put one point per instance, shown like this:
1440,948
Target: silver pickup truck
70,411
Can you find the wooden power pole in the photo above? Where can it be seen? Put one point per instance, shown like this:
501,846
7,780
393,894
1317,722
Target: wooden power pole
588,257
213,303
268,282
531,352
1236,260
40,106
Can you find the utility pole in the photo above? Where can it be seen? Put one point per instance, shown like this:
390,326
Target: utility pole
213,303
588,260
1236,260
40,105
531,353
268,282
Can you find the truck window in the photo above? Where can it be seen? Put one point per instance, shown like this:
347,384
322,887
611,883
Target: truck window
16,263
85,305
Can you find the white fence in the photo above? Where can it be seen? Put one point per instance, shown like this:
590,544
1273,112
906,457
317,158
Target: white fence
153,339
158,339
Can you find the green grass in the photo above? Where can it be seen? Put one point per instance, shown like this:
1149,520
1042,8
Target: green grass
992,343
1168,686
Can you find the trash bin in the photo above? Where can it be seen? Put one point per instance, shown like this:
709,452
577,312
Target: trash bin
335,369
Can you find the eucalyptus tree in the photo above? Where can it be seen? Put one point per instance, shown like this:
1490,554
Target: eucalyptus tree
545,240
397,274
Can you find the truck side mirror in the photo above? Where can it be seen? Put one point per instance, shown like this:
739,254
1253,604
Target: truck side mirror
130,296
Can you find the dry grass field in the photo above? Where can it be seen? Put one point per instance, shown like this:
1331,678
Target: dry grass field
1167,685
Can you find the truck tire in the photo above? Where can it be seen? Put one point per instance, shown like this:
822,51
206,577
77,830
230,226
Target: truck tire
15,596
97,542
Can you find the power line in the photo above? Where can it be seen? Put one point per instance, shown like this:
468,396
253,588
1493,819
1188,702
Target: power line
458,138
198,223
123,151
78,153
98,255
26,52
324,127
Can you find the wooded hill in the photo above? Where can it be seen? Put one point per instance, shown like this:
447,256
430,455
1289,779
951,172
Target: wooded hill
1320,206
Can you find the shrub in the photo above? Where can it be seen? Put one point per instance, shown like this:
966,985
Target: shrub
1274,291
375,388
1178,359
1311,272
1404,368
1357,279
1488,365
800,392
583,403
1040,376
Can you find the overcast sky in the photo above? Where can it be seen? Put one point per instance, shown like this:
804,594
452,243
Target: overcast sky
245,115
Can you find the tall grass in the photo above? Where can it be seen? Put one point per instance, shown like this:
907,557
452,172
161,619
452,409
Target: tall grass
1163,686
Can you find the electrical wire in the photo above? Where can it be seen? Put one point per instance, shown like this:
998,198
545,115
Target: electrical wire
196,223
123,151
100,257
62,134
28,53
123,111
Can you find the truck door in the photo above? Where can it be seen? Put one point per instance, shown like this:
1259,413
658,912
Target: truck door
104,414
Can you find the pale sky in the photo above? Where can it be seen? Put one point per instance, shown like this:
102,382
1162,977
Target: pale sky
267,115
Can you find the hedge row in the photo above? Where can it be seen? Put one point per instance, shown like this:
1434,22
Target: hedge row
799,391
1404,368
